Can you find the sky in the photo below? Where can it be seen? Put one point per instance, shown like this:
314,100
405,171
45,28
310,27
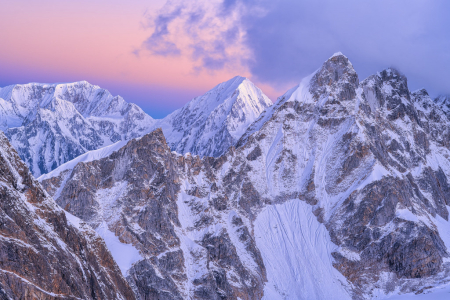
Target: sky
160,54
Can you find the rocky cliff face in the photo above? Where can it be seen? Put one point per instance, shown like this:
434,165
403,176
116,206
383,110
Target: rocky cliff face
136,192
46,253
339,190
50,124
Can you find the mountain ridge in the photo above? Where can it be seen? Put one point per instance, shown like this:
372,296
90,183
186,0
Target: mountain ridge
56,123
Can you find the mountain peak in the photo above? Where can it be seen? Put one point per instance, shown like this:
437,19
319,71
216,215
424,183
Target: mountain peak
392,74
336,76
209,124
337,68
421,92
238,78
338,60
229,87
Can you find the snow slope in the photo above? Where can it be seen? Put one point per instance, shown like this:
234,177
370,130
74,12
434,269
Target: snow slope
296,250
84,158
124,254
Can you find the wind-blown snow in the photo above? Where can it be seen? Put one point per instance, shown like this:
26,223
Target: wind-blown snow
296,250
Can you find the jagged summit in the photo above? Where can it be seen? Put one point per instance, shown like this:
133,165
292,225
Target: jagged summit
209,124
336,80
421,91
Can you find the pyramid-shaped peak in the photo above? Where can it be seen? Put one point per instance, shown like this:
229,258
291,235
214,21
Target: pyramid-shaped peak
238,78
209,124
233,83
228,89
336,69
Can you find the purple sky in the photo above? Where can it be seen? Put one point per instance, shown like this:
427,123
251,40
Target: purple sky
161,54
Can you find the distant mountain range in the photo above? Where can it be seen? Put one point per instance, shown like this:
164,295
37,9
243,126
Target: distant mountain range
50,124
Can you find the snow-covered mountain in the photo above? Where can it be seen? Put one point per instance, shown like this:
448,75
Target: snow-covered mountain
208,125
45,252
340,190
50,124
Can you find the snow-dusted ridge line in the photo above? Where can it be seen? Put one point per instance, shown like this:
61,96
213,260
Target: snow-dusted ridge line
84,158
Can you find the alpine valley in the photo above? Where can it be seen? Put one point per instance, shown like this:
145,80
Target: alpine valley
339,190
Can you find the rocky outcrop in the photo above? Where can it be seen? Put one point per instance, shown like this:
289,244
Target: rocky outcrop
44,252
352,175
